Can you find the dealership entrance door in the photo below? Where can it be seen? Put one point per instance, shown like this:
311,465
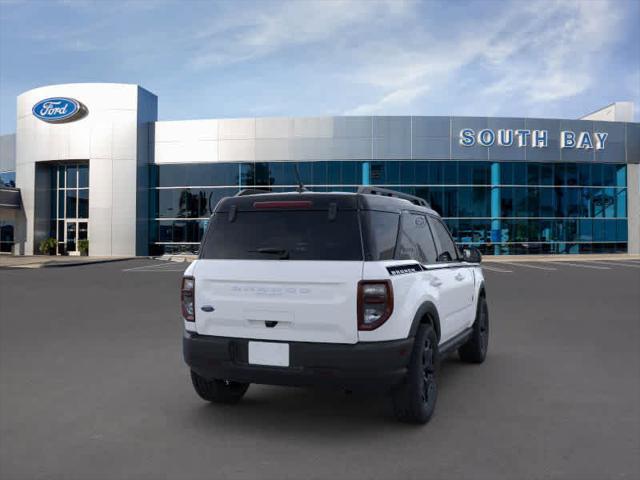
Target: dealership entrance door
70,206
75,231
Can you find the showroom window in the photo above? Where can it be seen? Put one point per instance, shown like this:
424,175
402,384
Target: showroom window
530,207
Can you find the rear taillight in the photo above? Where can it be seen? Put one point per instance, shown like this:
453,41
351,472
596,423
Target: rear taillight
187,299
375,303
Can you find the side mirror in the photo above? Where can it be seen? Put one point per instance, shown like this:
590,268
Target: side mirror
471,254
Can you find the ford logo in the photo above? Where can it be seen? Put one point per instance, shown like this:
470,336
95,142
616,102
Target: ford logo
59,110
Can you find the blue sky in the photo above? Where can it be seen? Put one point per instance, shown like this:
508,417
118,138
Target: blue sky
236,59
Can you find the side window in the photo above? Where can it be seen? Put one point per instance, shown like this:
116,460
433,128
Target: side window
447,251
414,240
380,231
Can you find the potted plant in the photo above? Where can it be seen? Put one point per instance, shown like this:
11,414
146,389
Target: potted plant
83,246
48,246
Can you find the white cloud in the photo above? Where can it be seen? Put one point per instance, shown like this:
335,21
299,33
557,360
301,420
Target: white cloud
397,98
269,27
536,52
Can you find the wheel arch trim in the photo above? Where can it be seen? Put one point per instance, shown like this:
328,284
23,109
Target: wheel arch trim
426,310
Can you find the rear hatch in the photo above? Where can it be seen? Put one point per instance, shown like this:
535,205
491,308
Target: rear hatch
281,267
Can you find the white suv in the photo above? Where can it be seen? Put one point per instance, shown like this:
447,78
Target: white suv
351,290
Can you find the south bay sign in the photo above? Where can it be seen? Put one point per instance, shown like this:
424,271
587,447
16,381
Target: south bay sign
531,138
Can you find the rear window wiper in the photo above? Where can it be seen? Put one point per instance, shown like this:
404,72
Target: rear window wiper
282,252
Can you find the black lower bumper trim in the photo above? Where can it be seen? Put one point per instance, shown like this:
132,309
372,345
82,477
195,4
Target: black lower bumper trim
371,365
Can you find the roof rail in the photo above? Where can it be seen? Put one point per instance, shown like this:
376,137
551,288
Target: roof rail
251,191
384,192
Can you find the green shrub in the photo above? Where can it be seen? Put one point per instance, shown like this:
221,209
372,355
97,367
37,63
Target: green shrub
83,246
48,246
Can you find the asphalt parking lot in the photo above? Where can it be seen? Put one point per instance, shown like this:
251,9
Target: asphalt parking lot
92,386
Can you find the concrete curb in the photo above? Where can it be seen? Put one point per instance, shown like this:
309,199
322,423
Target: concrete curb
559,258
62,264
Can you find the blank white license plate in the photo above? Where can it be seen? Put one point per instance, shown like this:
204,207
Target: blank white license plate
268,353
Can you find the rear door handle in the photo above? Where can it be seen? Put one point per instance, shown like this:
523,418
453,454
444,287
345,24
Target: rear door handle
435,282
459,277
207,308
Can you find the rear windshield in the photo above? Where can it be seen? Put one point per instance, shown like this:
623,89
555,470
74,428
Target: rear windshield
283,235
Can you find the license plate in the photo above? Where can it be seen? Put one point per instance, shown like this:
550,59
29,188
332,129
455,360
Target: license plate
268,353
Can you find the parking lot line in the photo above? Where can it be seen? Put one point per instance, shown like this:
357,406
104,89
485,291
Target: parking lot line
580,265
495,269
537,267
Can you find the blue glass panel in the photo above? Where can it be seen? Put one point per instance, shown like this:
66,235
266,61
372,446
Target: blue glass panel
609,202
559,174
436,174
520,202
351,173
519,173
585,230
546,230
572,202
61,177
454,225
450,196
621,202
436,199
621,230
598,230
546,173
334,173
533,173
609,171
547,207
306,172
596,175
8,179
83,176
262,174
422,173
610,230
571,170
570,230
584,174
621,175
408,172
450,173
392,173
506,173
506,202
474,173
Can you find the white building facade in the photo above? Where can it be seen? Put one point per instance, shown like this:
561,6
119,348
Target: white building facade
90,165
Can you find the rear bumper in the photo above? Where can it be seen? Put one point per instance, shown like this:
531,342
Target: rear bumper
375,365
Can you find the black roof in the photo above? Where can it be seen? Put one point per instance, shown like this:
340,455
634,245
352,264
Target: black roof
361,200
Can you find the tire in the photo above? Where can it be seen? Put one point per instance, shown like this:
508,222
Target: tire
415,400
475,349
218,391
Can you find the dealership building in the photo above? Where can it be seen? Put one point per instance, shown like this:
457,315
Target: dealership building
90,162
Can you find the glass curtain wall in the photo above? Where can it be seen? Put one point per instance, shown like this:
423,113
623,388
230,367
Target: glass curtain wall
503,208
69,205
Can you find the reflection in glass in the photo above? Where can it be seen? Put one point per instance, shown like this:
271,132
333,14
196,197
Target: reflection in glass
83,176
551,210
72,176
83,203
71,204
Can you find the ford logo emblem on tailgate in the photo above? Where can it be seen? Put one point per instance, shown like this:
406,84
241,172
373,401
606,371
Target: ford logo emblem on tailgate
59,110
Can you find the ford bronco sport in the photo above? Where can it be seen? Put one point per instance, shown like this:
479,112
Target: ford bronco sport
350,290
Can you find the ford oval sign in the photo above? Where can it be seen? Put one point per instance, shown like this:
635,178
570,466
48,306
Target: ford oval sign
59,110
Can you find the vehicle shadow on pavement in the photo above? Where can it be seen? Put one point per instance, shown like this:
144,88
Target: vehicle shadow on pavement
320,411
